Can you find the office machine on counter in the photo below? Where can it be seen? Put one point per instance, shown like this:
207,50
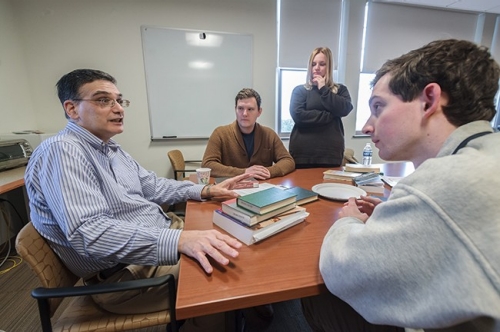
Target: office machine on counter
17,147
14,153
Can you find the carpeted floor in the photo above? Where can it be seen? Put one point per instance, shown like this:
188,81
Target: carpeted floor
19,313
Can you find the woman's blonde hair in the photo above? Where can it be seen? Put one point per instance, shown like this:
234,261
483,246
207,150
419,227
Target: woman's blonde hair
329,69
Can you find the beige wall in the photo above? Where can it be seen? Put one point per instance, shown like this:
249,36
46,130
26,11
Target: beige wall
16,107
47,38
40,40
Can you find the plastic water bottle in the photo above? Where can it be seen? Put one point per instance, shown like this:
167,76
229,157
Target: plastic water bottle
367,154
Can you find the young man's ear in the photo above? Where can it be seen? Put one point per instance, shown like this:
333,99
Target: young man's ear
431,97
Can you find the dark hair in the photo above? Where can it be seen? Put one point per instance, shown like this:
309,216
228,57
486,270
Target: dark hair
69,85
247,93
466,73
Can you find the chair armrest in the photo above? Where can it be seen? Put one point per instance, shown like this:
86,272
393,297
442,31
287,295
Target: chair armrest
45,293
179,213
185,170
42,295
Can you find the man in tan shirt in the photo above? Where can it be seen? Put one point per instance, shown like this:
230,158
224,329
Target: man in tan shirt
246,146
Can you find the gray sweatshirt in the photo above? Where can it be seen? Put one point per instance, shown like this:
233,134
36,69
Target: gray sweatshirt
429,257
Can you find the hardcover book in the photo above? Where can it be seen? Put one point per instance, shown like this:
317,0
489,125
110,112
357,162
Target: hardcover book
367,178
332,174
249,218
373,188
360,168
267,200
260,231
303,195
391,181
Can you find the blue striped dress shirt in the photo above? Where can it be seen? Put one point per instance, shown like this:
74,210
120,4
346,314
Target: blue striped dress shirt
98,207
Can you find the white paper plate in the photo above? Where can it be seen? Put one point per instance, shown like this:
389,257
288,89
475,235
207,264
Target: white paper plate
338,191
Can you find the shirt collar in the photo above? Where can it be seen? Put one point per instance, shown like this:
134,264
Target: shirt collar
91,139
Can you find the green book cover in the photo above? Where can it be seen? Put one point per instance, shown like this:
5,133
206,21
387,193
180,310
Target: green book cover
303,195
266,200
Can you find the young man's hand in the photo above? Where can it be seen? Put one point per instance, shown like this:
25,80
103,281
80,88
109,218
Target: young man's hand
351,209
259,172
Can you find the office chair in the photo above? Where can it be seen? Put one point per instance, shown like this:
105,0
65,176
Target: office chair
349,157
179,164
81,313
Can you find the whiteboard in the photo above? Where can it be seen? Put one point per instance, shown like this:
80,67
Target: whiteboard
192,78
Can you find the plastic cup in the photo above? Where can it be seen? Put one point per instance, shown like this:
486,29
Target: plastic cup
203,175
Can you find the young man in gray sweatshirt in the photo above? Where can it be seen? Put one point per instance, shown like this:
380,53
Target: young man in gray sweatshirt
429,257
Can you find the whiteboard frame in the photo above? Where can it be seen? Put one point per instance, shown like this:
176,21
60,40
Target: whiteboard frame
176,92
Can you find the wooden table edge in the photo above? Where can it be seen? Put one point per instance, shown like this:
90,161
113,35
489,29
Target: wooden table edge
249,301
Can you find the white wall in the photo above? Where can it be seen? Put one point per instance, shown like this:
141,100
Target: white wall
49,38
16,107
41,40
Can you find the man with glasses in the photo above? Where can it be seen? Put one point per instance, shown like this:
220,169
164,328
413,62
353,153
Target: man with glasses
100,210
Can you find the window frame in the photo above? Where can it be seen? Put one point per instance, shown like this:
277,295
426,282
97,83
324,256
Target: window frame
281,70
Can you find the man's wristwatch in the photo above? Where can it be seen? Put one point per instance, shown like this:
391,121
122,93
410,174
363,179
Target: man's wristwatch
207,193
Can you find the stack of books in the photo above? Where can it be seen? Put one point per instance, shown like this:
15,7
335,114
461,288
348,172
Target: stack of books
332,174
391,181
370,182
256,216
366,177
360,168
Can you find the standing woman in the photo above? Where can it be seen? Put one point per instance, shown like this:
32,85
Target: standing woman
317,138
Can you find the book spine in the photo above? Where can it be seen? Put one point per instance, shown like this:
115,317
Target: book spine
237,214
233,227
326,177
220,212
246,205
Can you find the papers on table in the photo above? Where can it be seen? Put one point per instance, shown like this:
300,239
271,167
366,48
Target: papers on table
262,186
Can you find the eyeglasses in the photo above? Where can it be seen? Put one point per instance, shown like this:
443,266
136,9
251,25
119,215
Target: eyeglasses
107,102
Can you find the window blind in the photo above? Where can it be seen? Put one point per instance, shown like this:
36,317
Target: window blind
392,30
305,25
495,44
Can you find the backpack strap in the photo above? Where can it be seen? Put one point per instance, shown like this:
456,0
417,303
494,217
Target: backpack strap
470,138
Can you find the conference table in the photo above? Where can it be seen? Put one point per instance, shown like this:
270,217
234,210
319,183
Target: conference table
13,191
11,179
282,267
